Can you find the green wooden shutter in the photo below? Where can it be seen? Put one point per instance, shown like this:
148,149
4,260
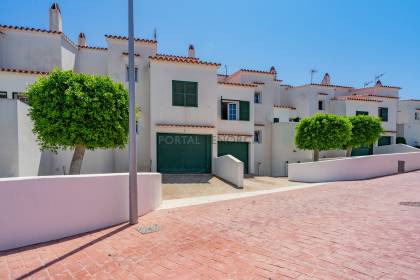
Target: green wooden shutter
223,109
244,110
276,120
383,114
178,93
191,89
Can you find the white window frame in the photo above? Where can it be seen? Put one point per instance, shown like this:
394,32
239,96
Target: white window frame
258,136
257,93
136,73
236,111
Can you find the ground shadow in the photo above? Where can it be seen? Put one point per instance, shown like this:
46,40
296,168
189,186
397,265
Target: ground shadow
186,178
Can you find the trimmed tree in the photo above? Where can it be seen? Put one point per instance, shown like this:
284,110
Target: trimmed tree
322,132
78,111
366,130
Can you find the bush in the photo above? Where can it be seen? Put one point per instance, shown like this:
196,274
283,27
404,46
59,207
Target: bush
322,132
366,130
401,140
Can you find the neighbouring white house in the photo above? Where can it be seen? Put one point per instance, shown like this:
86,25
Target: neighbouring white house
408,121
191,114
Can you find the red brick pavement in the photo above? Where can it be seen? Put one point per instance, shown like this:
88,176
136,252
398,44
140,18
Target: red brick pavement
346,230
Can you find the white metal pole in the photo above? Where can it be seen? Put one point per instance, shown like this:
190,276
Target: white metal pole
132,120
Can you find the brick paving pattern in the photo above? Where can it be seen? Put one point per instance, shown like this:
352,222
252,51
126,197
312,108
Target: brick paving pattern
345,230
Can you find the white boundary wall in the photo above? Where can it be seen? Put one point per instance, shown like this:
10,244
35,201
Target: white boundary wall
355,168
230,169
39,209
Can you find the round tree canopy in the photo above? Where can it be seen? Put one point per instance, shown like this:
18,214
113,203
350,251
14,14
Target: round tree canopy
365,130
70,109
323,132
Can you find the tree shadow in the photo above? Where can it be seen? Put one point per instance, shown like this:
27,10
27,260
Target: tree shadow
72,252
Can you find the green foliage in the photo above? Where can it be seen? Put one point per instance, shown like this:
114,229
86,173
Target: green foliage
401,140
365,130
70,109
322,132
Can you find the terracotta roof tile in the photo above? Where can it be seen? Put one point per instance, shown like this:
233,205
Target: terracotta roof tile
284,106
357,98
116,37
323,93
93,48
185,125
24,71
383,96
182,59
237,84
257,71
136,54
31,29
322,85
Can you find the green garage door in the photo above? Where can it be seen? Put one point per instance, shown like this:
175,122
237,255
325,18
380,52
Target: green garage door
183,153
362,151
237,149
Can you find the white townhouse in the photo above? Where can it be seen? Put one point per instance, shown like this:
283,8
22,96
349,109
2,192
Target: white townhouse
190,114
408,121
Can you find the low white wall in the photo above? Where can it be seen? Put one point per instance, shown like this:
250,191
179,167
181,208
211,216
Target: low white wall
230,169
394,148
355,168
39,209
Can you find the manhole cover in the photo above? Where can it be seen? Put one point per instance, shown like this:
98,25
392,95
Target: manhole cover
149,229
411,203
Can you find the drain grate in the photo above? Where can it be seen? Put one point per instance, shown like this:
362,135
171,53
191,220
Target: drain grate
149,229
411,203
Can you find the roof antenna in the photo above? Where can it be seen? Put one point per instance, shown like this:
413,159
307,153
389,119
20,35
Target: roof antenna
155,34
376,79
226,70
313,71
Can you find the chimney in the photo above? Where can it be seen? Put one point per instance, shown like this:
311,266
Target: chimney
273,70
191,51
82,40
378,83
55,18
326,80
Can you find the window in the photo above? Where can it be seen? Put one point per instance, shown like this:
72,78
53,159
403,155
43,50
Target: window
276,120
136,70
417,116
364,113
297,119
19,96
3,94
384,140
184,93
321,106
383,114
232,111
257,97
257,136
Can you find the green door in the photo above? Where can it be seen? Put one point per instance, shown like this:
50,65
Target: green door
384,140
362,151
237,149
183,153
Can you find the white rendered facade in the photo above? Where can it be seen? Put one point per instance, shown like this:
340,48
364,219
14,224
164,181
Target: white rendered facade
409,121
27,53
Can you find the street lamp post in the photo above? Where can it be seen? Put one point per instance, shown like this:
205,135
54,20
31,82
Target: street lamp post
132,121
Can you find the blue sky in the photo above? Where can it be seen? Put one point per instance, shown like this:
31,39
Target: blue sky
352,40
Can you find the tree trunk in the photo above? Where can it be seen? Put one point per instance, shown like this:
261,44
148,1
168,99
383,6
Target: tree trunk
348,153
76,161
316,155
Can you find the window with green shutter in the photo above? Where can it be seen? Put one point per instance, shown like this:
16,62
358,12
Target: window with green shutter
184,93
244,110
383,114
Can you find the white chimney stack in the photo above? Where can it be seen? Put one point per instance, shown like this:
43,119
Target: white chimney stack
326,80
191,51
55,18
82,40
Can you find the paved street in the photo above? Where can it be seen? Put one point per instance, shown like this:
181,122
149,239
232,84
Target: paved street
346,230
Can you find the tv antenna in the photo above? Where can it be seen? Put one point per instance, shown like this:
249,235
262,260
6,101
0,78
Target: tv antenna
313,71
226,73
155,34
375,79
